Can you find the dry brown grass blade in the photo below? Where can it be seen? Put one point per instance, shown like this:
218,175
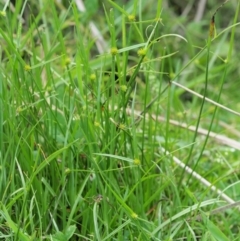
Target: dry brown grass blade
221,139
201,179
99,40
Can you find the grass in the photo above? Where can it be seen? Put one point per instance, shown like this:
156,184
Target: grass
118,122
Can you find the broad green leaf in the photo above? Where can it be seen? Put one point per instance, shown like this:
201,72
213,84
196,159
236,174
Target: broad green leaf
216,232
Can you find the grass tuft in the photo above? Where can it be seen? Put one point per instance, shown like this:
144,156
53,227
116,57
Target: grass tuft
119,121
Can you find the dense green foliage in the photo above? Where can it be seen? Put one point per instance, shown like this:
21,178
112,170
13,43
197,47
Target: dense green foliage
101,108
